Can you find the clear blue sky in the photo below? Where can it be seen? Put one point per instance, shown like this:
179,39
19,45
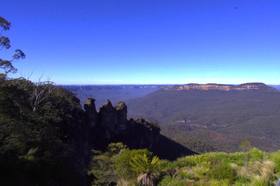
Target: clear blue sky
147,41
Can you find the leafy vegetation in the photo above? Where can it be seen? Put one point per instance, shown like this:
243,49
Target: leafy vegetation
40,146
102,170
146,167
124,166
250,168
6,65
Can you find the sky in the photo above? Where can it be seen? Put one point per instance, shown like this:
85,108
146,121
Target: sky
146,41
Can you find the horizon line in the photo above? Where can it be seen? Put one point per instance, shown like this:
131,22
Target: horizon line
150,84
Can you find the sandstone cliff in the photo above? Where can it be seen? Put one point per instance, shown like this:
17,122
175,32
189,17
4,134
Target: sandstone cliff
110,124
223,87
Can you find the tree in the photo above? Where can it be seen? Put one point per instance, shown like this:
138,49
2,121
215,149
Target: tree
41,92
7,64
43,147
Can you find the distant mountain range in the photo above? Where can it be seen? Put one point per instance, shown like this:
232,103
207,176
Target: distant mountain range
201,116
114,93
276,86
222,87
221,116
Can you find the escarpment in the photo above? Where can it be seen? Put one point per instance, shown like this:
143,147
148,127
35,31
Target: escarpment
223,87
111,124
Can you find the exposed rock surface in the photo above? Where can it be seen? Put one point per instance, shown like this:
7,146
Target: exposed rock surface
91,113
223,87
110,124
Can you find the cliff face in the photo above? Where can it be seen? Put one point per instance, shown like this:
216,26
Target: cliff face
110,124
222,87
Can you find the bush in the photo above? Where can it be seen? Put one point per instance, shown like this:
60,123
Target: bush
101,169
122,164
256,154
275,157
174,181
222,171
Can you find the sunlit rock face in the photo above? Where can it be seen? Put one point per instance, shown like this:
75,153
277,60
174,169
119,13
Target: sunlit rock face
223,87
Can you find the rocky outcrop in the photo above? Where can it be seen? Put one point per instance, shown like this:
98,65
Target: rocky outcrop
108,117
121,109
255,86
223,87
110,124
91,113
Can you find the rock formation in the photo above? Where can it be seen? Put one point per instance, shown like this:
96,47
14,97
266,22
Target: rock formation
223,87
110,124
91,113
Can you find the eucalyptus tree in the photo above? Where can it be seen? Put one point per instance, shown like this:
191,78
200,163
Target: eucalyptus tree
7,64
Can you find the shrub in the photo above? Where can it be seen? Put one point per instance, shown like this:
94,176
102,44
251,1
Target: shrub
218,183
275,157
255,154
175,181
222,171
102,166
122,163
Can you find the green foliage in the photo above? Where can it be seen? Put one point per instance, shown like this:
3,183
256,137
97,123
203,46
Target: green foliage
7,64
147,168
220,182
116,148
30,155
250,168
144,164
123,163
47,140
173,181
5,24
102,168
275,157
256,154
220,168
222,171
137,166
